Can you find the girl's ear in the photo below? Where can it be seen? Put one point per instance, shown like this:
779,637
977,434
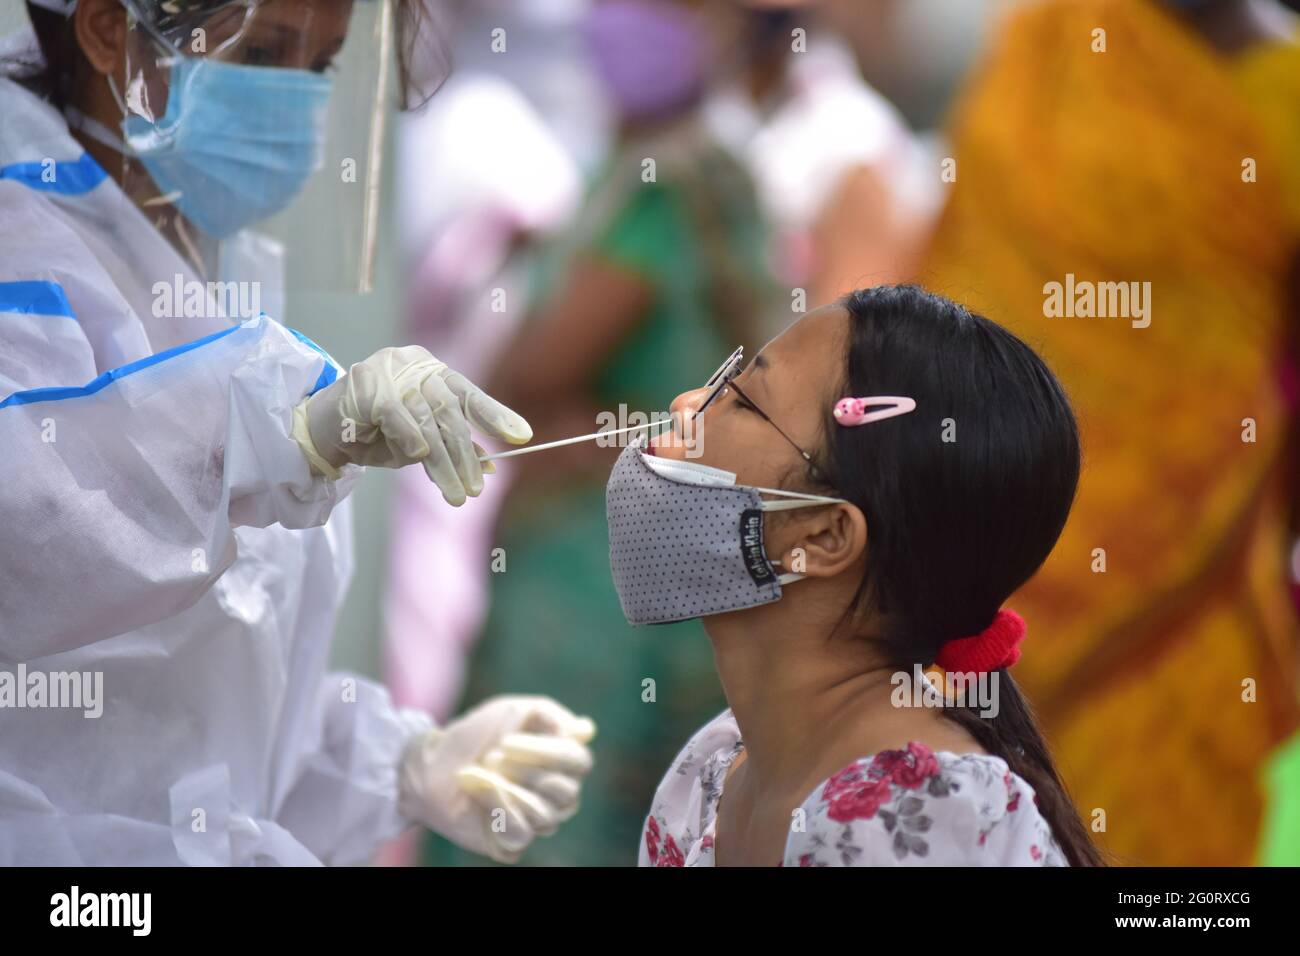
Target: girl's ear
825,541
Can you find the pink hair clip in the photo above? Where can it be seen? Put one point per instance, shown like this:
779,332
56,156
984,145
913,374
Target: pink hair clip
853,411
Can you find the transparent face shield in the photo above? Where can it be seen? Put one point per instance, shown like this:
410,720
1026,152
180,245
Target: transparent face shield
251,130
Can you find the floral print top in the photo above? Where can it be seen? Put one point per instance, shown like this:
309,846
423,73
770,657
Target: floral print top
912,807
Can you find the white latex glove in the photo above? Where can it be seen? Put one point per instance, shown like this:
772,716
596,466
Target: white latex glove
401,406
494,779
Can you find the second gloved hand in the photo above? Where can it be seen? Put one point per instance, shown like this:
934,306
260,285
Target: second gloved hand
503,774
401,406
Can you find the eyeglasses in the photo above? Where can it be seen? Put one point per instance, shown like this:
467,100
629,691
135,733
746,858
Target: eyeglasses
723,379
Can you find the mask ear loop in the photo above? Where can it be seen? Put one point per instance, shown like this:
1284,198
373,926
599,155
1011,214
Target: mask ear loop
799,499
785,577
93,128
96,130
803,501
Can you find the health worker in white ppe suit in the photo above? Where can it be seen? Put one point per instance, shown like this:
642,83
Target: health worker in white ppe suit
175,538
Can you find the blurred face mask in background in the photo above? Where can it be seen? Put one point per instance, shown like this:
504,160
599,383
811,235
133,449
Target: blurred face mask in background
686,541
651,56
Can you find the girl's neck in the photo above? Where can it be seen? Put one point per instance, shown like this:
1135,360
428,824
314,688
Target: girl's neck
808,703
793,688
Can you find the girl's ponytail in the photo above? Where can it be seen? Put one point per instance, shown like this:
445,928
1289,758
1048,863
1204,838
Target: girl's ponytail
964,500
1014,736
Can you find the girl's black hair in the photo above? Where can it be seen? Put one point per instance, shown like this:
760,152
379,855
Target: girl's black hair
964,499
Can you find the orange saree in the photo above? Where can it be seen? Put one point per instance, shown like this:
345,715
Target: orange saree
1162,655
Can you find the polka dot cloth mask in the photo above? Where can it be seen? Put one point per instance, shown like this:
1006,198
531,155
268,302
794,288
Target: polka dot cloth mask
685,540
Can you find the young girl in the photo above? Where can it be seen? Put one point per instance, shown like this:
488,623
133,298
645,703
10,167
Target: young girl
910,465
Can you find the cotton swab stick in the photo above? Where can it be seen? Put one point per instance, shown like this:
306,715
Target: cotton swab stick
573,441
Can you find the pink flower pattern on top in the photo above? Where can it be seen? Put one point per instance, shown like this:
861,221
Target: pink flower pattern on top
903,807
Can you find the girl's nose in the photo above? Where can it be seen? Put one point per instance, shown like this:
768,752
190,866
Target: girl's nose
685,404
683,408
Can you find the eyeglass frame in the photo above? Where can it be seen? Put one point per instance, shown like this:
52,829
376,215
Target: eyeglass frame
725,377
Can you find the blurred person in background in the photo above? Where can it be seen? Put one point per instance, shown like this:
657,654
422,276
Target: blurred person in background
653,284
482,177
846,185
1166,664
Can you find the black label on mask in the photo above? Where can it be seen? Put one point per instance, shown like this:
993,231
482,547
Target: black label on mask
751,547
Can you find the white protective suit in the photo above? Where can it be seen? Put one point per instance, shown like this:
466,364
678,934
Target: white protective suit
159,524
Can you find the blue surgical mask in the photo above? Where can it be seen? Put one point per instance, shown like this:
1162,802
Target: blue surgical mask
236,143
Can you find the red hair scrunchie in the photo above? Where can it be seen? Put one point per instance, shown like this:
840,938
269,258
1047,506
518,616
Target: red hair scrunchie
998,645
